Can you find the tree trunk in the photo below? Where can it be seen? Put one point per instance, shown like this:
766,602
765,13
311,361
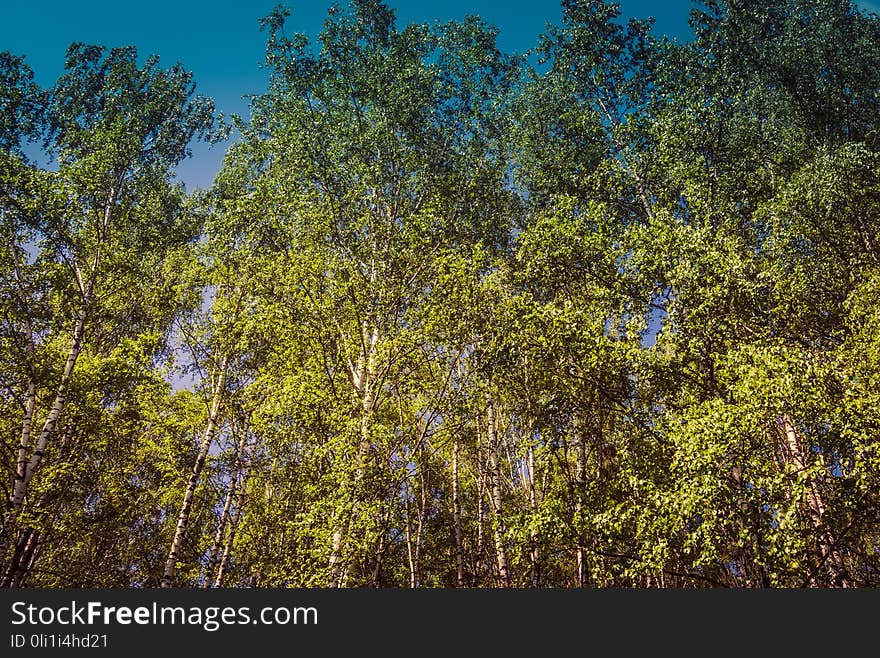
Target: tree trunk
381,545
420,526
481,520
29,404
227,506
25,475
220,533
410,551
26,468
336,566
21,465
34,544
795,455
230,537
456,516
496,496
580,481
21,558
363,379
195,474
534,552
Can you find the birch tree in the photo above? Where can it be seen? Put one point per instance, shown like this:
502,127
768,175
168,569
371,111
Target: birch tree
116,130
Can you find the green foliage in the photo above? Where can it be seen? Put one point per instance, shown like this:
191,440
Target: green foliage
451,318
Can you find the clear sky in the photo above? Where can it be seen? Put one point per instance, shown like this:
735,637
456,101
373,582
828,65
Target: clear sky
221,43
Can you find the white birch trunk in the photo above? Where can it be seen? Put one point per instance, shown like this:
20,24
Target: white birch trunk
535,552
230,537
195,474
20,487
363,380
456,516
815,508
227,507
26,468
580,481
496,496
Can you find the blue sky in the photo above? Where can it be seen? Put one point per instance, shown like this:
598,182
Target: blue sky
220,41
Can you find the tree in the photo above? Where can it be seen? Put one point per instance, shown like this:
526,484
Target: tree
97,238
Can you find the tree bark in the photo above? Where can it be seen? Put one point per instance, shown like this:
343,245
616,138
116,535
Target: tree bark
481,520
21,557
227,507
31,395
496,496
379,553
363,379
195,474
580,482
420,526
230,537
534,552
411,557
23,479
456,516
830,557
26,468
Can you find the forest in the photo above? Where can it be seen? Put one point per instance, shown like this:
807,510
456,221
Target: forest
605,313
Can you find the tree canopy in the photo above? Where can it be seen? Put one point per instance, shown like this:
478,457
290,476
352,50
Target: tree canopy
600,314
